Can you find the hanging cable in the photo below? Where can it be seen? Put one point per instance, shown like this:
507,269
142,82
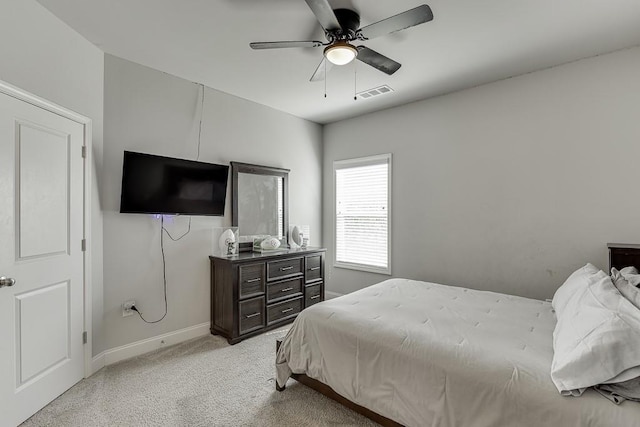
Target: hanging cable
175,239
164,272
197,158
163,230
200,125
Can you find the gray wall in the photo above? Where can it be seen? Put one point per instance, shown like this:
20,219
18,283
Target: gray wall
42,55
508,186
150,111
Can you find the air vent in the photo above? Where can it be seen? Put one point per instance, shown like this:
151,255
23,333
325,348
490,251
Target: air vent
376,91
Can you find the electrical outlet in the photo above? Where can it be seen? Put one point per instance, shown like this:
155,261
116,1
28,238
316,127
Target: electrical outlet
126,308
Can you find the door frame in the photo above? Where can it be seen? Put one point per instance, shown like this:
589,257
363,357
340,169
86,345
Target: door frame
22,95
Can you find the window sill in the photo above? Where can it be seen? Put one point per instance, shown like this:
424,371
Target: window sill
361,267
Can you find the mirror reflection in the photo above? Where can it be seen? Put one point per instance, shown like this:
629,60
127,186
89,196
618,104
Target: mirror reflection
259,201
260,205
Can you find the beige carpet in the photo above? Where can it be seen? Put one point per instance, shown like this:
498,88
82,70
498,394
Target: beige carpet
202,382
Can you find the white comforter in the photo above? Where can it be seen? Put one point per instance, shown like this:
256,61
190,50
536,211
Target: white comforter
425,354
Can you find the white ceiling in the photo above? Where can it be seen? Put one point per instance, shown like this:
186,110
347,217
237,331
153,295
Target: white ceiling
469,42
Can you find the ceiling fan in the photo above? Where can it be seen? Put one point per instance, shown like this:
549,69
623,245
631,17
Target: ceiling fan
342,26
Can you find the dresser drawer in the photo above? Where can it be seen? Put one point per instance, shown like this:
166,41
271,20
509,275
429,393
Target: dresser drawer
251,315
285,268
313,269
251,280
313,294
288,288
284,310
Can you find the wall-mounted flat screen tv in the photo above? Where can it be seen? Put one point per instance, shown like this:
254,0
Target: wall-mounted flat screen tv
164,185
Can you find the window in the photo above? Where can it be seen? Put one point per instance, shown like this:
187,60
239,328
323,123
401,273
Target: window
362,213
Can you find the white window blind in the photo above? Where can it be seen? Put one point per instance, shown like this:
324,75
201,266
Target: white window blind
362,215
280,208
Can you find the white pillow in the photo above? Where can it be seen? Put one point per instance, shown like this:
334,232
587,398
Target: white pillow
578,279
596,339
617,278
627,290
616,275
631,275
629,270
633,295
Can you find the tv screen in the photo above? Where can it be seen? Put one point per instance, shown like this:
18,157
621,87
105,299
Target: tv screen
164,185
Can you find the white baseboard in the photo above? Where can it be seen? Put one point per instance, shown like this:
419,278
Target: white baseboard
137,348
97,363
331,295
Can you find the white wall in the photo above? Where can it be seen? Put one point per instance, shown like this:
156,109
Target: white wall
150,111
42,55
508,186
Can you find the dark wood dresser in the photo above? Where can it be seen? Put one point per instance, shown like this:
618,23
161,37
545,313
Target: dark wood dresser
623,255
254,292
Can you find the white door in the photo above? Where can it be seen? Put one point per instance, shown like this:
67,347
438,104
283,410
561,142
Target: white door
41,231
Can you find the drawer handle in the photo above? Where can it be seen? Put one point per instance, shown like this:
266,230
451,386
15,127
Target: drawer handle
287,310
315,296
257,279
314,268
286,268
286,289
249,316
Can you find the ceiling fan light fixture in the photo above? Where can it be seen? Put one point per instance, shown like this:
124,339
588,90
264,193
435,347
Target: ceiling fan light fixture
340,53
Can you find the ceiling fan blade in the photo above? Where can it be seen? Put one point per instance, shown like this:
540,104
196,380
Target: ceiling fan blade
279,45
401,21
321,72
324,13
377,61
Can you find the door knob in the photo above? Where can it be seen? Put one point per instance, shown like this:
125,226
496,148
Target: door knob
6,281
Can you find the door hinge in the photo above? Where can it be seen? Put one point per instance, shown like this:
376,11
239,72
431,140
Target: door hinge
84,151
84,337
84,245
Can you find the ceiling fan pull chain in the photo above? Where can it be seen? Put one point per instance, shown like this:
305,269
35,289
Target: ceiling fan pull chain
355,81
325,78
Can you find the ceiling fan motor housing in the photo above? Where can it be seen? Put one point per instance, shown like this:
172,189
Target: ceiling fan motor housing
350,23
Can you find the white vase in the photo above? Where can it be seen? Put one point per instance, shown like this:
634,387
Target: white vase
296,236
226,239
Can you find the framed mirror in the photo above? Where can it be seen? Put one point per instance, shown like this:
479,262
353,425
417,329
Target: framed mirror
260,202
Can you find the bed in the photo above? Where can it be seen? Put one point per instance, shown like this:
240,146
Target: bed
414,353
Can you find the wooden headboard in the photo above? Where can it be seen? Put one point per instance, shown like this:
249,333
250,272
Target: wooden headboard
623,255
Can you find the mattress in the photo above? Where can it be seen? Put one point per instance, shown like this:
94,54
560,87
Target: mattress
424,354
